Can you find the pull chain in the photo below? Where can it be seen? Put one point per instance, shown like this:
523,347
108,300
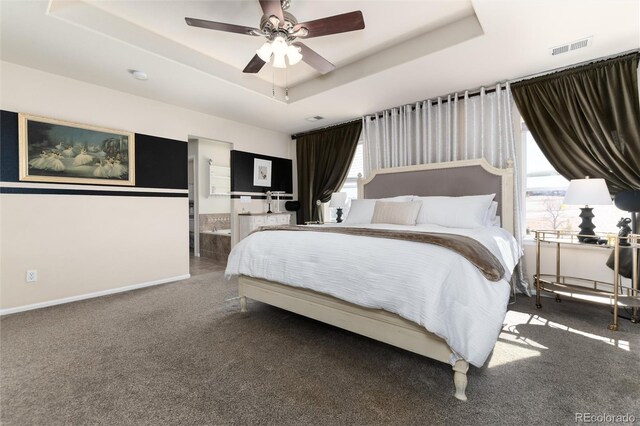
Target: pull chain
273,82
286,83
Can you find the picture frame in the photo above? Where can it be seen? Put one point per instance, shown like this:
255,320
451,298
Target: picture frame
57,151
261,172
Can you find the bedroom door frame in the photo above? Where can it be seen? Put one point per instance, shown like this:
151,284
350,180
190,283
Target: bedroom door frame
196,224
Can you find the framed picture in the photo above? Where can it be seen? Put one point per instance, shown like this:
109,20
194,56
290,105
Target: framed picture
261,172
59,151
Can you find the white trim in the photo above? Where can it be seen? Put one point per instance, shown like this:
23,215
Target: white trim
48,303
88,187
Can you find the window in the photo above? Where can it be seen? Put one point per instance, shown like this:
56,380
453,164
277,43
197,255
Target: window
357,167
351,184
545,190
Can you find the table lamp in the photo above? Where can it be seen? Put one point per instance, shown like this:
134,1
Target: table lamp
587,192
338,200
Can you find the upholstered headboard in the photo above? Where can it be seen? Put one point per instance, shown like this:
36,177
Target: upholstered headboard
455,178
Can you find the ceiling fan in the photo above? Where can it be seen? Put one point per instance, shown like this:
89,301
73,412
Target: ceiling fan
281,29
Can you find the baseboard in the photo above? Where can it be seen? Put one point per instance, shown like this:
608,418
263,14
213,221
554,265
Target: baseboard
48,303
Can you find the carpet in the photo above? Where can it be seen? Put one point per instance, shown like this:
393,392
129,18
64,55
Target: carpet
182,353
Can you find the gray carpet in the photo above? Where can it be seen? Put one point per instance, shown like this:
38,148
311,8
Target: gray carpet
181,353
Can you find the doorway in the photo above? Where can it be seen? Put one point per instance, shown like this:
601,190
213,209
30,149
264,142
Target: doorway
212,224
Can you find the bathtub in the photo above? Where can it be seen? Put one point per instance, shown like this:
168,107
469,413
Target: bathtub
226,232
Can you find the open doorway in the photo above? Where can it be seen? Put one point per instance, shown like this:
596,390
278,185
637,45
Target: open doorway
211,197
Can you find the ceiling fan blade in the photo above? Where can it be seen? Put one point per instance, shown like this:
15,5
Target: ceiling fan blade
254,65
346,22
313,59
221,26
273,8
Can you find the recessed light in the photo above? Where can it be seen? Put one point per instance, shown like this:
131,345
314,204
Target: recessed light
314,118
139,75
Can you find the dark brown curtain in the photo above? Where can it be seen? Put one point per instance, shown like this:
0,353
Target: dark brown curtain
586,120
324,158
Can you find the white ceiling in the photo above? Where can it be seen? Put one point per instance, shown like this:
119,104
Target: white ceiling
408,51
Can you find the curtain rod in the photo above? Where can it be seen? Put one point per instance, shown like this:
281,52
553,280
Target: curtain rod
477,91
320,129
567,67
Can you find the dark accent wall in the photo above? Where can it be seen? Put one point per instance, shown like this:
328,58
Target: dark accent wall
159,163
242,173
8,146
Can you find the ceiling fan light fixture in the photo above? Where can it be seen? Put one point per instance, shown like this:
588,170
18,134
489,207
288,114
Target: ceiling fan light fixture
265,52
293,54
279,46
278,61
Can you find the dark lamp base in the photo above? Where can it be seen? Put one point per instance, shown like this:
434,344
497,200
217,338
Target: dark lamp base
587,227
339,215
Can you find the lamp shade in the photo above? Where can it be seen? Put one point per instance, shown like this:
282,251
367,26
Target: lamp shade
293,55
585,192
338,199
265,52
278,61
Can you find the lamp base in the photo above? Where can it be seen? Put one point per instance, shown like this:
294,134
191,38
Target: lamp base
339,214
586,226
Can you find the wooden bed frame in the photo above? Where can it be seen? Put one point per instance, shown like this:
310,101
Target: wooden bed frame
476,177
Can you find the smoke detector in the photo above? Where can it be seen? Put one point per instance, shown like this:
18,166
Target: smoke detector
569,47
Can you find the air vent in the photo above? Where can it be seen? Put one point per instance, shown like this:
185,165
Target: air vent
575,45
314,118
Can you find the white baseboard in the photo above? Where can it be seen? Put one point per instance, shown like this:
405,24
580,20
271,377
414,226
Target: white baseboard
39,305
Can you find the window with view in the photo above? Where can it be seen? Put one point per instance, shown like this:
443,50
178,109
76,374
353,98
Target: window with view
351,184
545,191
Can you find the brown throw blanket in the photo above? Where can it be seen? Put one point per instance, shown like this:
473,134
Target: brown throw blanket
467,247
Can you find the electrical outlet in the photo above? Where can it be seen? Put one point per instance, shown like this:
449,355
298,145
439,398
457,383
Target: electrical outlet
32,276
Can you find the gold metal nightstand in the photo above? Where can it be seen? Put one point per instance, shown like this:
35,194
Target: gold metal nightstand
589,290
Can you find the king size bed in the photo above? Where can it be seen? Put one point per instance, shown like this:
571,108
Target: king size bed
429,299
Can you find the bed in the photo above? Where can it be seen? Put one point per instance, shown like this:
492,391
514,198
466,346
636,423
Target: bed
273,270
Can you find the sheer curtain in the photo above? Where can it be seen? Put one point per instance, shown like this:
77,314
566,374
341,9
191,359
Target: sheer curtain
456,127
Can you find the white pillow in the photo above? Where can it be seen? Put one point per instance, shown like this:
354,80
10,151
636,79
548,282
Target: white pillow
399,213
361,211
455,212
492,211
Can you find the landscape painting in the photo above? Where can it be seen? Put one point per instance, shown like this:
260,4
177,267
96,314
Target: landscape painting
63,152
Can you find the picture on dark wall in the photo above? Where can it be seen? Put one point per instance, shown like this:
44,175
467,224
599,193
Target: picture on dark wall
261,172
63,152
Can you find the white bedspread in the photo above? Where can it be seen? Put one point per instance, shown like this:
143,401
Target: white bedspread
426,284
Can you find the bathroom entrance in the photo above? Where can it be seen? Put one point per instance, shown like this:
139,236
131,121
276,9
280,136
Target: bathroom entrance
211,198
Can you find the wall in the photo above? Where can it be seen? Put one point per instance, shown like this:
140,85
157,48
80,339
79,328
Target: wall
90,245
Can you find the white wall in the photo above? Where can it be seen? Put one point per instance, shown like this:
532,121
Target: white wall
83,245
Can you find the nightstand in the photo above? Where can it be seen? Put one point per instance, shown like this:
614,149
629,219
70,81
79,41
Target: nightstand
584,288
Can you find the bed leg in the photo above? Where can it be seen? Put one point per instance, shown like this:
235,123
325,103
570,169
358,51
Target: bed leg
243,304
460,378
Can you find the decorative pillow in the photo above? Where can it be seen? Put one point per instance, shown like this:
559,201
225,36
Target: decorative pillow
361,211
399,213
455,212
